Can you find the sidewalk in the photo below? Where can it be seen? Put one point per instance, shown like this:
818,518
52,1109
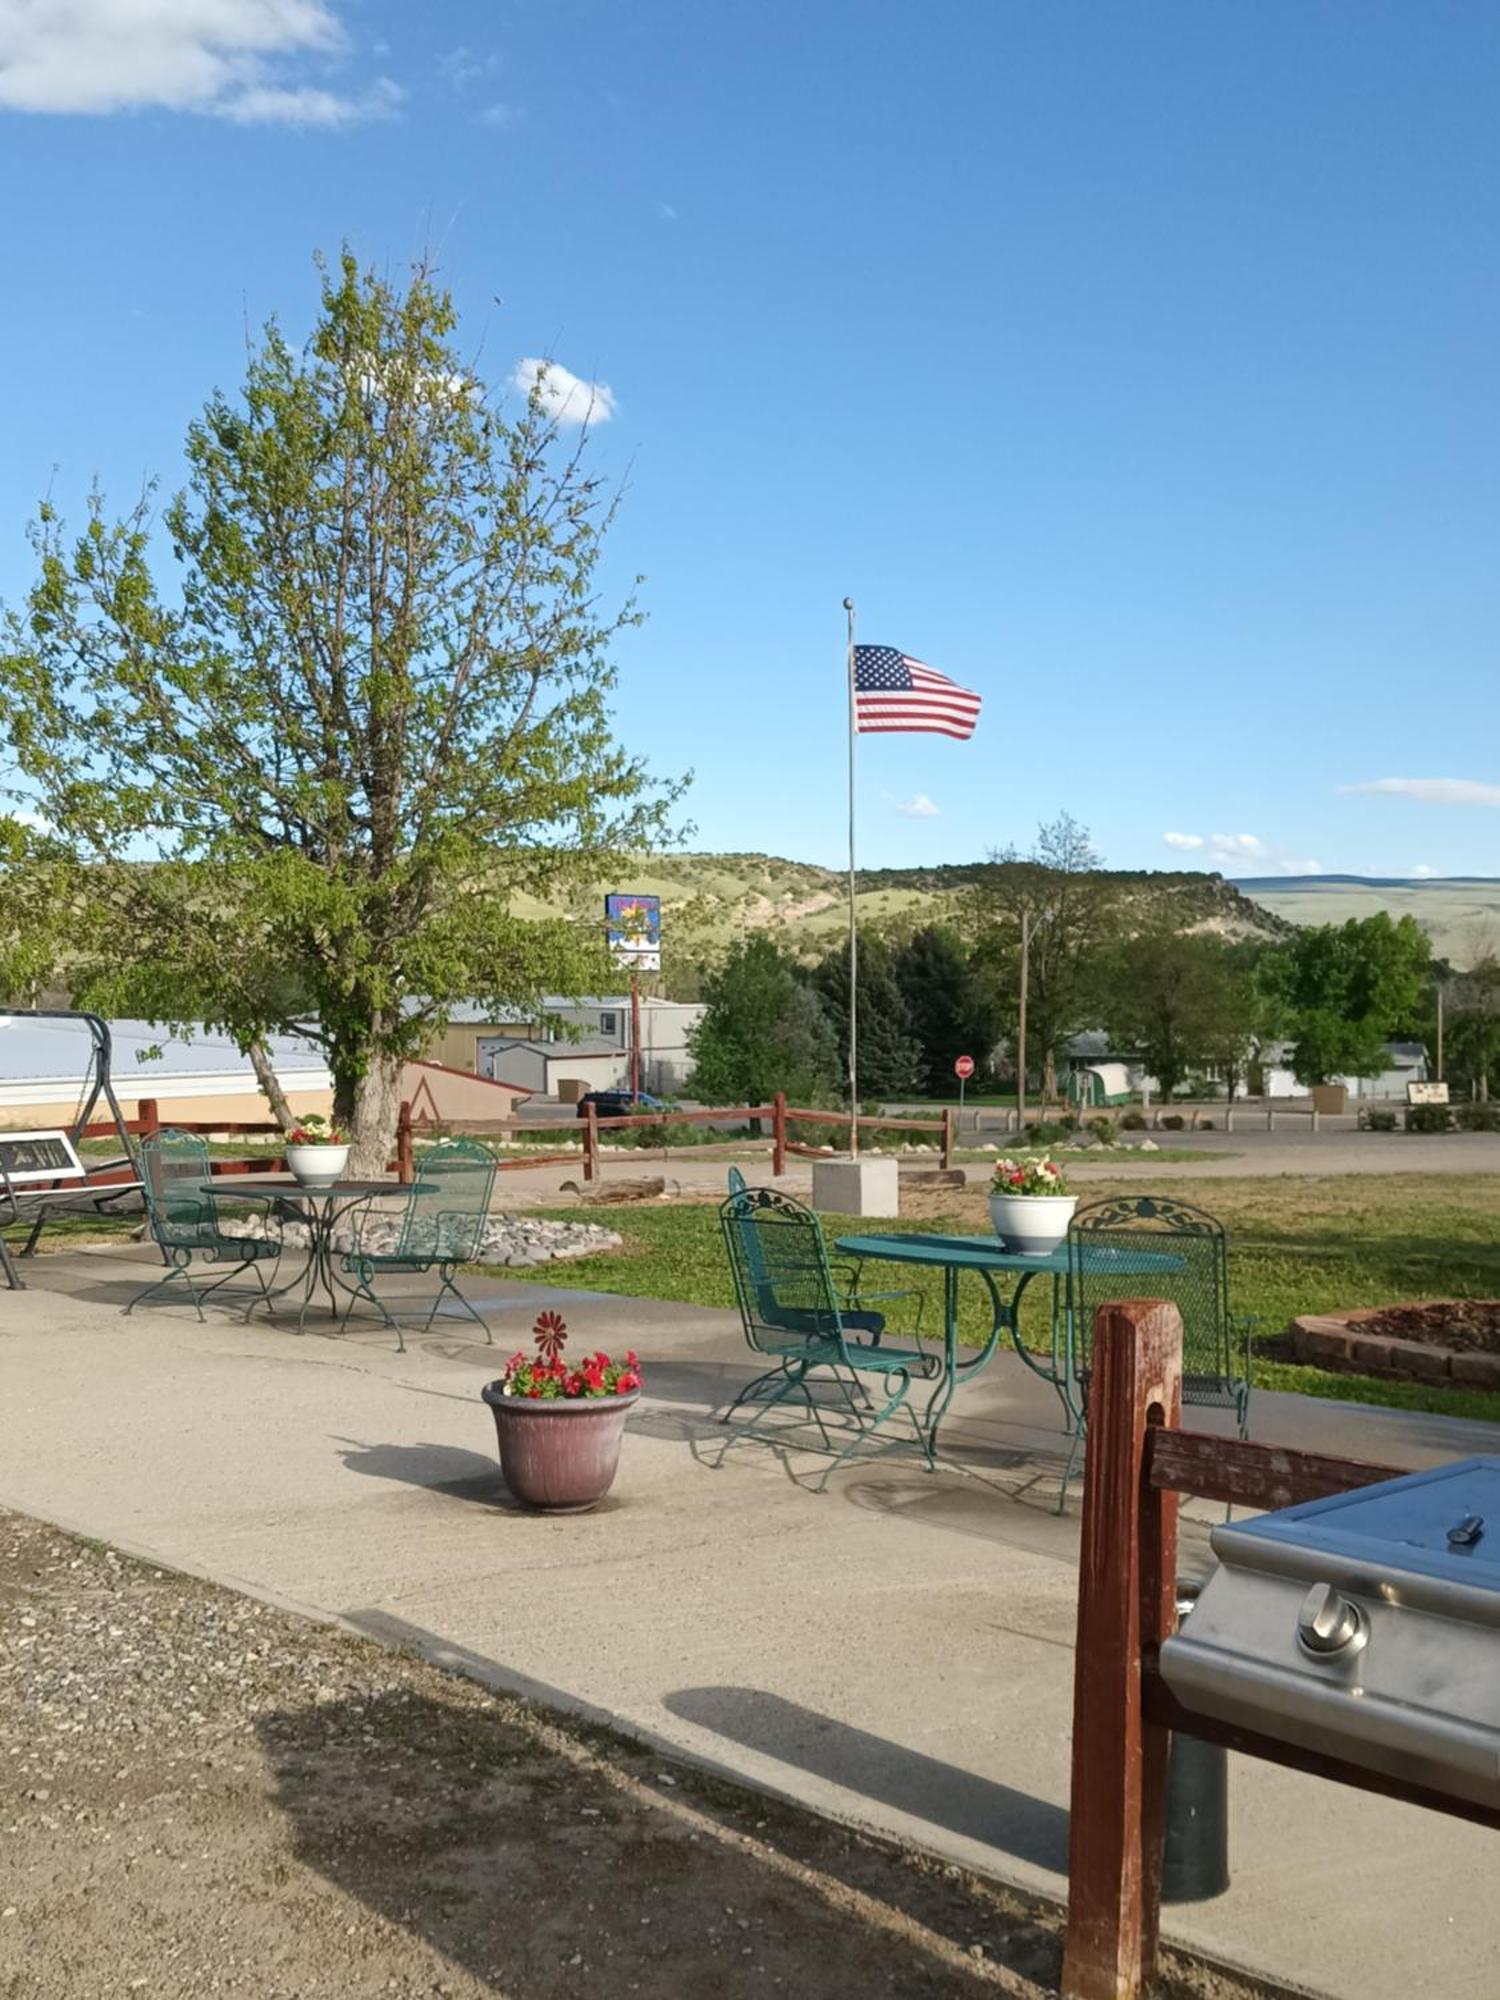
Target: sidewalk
897,1652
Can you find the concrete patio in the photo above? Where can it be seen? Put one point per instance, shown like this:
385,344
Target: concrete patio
897,1651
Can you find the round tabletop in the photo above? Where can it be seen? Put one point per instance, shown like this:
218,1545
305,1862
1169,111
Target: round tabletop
285,1184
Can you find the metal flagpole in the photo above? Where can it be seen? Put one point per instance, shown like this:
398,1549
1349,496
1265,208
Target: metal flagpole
853,931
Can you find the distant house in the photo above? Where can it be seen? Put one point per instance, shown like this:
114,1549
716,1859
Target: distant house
1101,1073
542,1068
485,1042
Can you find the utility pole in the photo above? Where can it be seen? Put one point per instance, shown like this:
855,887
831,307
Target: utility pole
1021,1024
1439,1077
635,1036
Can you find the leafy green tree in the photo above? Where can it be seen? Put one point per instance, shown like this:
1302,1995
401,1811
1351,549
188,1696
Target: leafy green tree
950,1016
1471,1042
1346,989
1071,912
890,1056
764,1029
371,713
1183,1003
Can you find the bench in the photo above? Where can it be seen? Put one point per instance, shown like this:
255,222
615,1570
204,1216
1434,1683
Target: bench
41,1176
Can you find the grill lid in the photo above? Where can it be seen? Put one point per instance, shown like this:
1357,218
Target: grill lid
1443,1524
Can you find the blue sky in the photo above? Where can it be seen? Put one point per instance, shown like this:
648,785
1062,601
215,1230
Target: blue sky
1135,364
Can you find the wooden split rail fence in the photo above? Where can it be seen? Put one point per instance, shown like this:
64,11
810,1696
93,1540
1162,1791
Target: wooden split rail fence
778,1117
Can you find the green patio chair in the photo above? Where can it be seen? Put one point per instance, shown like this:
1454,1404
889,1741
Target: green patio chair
439,1227
1188,1252
187,1218
797,1316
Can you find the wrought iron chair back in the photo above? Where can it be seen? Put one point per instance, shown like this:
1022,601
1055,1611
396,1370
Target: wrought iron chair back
782,1279
174,1168
448,1205
1193,1274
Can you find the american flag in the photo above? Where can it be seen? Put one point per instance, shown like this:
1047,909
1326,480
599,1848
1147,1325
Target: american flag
893,691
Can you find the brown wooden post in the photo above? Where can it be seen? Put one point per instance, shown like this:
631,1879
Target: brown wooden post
778,1135
949,1122
148,1116
406,1154
1126,1607
591,1142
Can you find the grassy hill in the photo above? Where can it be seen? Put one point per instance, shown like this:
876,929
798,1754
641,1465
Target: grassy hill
1460,913
707,899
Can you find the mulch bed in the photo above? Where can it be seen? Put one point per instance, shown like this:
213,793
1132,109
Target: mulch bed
1473,1324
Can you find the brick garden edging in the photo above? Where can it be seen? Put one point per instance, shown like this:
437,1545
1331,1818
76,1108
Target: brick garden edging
1338,1341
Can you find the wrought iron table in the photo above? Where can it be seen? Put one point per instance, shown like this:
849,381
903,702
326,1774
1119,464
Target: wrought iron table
320,1208
987,1258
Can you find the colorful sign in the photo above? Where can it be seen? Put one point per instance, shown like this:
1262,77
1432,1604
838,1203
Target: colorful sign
632,925
963,1069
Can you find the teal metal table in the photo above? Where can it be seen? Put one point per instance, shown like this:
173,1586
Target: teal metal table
987,1258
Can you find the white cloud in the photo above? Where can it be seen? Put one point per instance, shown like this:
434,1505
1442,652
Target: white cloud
563,395
1435,791
666,211
1422,872
212,56
918,806
1245,848
503,117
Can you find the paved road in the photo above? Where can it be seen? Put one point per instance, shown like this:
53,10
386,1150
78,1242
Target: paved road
898,1651
1229,1156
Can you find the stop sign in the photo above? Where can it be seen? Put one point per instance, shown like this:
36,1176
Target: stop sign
964,1068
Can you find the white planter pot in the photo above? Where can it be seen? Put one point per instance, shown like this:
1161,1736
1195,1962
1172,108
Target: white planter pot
1032,1224
317,1166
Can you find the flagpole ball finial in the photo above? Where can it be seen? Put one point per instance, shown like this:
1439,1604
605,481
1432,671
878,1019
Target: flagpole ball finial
848,603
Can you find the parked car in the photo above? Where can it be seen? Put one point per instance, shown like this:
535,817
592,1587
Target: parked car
618,1103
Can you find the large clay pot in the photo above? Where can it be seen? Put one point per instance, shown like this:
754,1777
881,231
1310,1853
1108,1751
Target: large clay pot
316,1166
559,1455
1032,1225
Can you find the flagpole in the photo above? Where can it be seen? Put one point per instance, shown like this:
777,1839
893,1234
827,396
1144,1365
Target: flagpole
853,928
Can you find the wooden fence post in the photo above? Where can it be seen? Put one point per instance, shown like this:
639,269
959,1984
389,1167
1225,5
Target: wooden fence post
406,1155
591,1142
778,1135
949,1122
148,1116
1126,1606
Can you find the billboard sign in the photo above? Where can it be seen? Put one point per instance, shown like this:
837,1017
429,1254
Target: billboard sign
632,925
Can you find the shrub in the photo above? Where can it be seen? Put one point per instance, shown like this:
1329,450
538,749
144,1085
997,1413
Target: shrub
1046,1132
1133,1121
1105,1130
1478,1117
1380,1121
1428,1118
1175,1122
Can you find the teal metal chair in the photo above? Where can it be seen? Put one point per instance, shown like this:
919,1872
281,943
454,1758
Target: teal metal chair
1187,1252
187,1218
439,1228
799,1318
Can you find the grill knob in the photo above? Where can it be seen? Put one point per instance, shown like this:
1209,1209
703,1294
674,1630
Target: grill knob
1330,1623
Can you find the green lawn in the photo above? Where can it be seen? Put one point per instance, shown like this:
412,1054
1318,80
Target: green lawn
1298,1244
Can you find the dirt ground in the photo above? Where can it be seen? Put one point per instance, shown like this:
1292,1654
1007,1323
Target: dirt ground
202,1795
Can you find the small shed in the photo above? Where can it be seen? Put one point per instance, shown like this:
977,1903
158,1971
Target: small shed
541,1067
1100,1083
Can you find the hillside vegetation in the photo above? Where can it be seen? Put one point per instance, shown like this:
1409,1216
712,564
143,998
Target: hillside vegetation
1461,914
708,899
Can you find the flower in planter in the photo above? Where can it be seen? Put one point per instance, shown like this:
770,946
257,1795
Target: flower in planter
315,1130
548,1376
1028,1177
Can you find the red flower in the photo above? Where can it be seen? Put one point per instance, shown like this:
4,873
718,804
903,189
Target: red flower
1016,1179
628,1381
551,1334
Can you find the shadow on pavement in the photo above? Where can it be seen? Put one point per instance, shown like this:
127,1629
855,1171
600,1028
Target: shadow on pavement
872,1767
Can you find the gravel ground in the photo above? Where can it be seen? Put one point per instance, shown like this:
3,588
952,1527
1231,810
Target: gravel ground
201,1795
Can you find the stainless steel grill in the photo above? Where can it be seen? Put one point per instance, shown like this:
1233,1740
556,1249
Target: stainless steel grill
1366,1626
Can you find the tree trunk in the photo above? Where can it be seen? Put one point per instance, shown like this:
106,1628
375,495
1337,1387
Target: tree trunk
270,1083
377,1107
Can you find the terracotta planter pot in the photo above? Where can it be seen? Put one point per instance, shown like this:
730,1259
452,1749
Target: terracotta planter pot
1031,1225
559,1456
